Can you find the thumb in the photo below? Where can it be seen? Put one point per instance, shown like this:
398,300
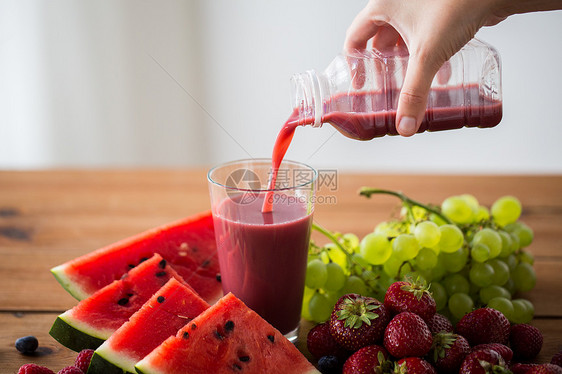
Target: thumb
413,96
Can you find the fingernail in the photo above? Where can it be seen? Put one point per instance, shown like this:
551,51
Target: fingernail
407,126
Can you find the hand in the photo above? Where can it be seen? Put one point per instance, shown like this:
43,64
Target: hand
432,30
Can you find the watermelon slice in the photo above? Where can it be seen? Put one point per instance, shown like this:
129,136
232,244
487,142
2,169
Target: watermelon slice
189,245
227,338
168,310
94,319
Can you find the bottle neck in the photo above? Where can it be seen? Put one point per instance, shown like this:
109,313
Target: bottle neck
308,95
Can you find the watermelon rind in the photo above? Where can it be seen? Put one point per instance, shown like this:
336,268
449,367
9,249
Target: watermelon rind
72,337
71,287
99,365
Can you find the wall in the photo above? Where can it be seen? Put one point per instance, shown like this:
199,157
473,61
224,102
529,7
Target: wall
182,83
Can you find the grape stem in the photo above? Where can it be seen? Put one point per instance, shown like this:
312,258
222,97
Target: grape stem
368,191
332,238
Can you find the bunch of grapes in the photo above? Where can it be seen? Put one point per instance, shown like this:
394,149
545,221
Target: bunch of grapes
471,255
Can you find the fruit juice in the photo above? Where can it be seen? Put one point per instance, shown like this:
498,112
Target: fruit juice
263,255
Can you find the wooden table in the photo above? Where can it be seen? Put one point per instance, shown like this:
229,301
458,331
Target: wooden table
49,217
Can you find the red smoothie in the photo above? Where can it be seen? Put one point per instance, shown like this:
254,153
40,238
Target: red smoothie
263,255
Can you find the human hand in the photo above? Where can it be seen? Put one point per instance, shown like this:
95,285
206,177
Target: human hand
432,30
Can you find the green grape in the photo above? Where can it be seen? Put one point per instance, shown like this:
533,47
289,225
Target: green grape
526,256
426,259
510,286
506,210
507,244
389,229
471,201
456,261
523,232
391,266
440,270
481,274
451,238
511,262
514,242
336,255
480,252
482,214
455,283
359,263
437,219
488,293
427,233
460,304
354,284
324,256
307,294
439,295
491,239
406,270
524,277
336,277
375,248
351,241
405,247
501,272
320,307
316,274
523,311
457,209
504,305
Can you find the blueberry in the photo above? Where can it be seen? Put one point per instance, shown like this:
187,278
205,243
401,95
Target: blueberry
329,365
27,344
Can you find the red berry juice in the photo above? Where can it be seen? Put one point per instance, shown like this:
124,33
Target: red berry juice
263,255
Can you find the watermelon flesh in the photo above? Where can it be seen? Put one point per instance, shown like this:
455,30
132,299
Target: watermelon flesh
94,319
168,310
188,244
228,338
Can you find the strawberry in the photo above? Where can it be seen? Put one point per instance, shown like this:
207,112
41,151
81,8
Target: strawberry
70,370
407,335
448,352
545,369
439,323
557,359
413,365
83,359
484,325
34,369
503,350
521,368
358,321
525,340
321,343
412,297
369,359
484,362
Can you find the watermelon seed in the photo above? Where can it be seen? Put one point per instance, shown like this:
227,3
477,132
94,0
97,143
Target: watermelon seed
185,335
218,277
131,266
162,264
124,301
236,367
244,358
161,274
206,263
160,299
218,335
193,326
271,338
130,294
143,259
229,326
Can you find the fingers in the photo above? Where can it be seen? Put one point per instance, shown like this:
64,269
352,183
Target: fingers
360,31
385,38
413,97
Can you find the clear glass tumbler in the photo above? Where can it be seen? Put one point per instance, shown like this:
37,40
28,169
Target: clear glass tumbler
263,256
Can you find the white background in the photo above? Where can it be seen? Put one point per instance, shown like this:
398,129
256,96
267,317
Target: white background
195,83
